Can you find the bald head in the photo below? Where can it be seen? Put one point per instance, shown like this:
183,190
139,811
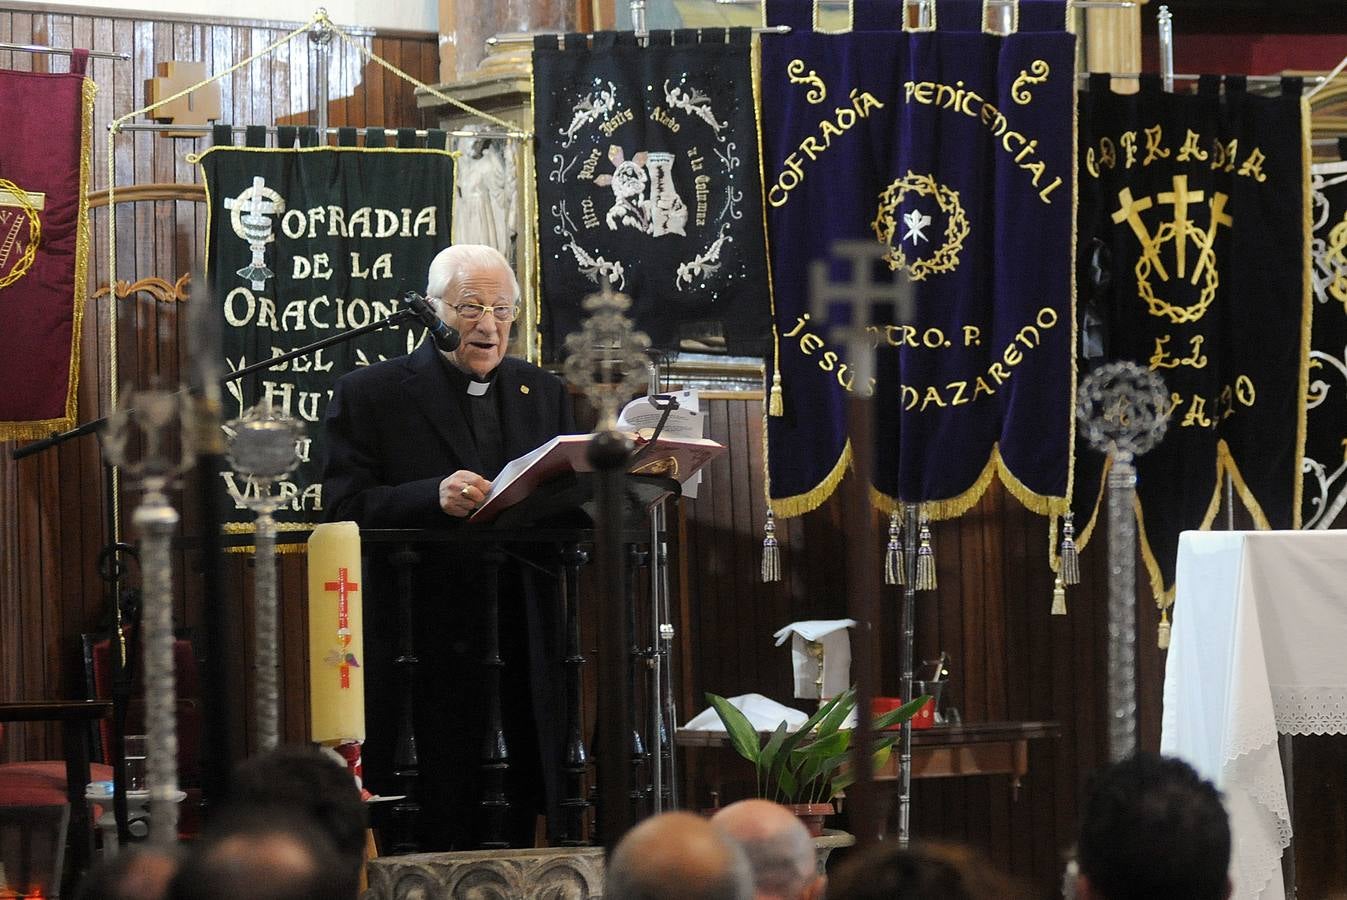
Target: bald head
677,855
778,846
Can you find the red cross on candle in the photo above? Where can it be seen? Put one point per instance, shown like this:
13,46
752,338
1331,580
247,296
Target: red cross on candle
343,587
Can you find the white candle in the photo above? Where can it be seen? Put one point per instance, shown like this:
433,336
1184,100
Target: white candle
336,635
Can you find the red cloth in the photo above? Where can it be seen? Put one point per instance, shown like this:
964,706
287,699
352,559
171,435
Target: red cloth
40,783
46,151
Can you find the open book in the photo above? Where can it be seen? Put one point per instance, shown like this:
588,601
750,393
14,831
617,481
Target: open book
677,458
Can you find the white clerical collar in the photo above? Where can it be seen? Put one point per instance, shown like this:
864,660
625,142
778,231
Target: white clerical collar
478,388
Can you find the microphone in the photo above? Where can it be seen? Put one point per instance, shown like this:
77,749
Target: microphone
446,338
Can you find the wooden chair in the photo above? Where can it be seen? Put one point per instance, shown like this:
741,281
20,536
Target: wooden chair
58,782
187,666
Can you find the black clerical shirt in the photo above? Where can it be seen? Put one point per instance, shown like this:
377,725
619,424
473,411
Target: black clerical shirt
481,410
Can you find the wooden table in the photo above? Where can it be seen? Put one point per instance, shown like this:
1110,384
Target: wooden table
945,751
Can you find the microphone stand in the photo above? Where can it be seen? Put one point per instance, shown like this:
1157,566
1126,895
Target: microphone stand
215,769
94,425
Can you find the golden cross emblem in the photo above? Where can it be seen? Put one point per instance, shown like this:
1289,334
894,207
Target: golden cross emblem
17,209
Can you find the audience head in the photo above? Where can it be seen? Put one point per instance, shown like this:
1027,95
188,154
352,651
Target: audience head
306,782
1153,828
263,854
920,872
677,855
779,849
139,872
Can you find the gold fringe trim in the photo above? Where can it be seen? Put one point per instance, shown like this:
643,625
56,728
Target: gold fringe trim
1306,312
251,528
954,507
1083,536
812,499
82,231
1163,598
41,428
1242,489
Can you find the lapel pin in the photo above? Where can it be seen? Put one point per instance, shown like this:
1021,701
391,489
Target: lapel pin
523,389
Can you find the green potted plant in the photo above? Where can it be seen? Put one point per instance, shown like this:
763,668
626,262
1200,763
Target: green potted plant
806,768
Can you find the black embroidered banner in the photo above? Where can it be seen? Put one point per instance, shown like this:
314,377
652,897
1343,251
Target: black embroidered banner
1325,466
1193,211
648,176
44,245
954,148
302,245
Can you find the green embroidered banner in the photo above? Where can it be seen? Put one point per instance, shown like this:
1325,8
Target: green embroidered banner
304,244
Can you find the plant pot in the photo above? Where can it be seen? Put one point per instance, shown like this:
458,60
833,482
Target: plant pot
812,815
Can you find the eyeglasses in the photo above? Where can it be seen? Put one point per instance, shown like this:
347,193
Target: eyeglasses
471,312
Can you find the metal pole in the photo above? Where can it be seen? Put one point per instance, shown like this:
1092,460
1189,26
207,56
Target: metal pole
657,584
266,653
911,524
155,519
321,38
1165,26
608,453
1122,613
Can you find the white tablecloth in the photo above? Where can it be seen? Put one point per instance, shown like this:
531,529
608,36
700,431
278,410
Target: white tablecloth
1259,646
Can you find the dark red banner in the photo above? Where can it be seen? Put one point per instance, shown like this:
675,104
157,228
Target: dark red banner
44,245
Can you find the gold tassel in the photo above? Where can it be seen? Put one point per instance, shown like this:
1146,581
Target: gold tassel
1058,597
925,558
1070,556
775,405
1162,640
893,554
771,552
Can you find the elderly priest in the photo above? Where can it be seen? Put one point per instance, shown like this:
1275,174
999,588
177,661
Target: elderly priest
414,443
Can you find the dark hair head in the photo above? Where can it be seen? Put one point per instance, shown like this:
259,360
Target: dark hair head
305,781
931,871
138,872
263,854
1152,828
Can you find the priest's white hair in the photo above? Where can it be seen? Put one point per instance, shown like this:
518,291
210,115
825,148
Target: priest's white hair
452,263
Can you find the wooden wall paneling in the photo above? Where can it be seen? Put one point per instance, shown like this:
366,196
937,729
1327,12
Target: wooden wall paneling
376,83
753,627
52,507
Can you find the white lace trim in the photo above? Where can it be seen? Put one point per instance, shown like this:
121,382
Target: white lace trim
1304,709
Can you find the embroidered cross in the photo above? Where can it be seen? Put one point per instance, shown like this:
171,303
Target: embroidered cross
343,658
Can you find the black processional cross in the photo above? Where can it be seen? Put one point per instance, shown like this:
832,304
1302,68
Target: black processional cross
892,303
606,361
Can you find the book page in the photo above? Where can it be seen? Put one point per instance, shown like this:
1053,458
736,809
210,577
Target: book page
642,417
516,467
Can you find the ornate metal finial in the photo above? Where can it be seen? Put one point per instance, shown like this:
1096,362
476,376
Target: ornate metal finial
1124,411
263,448
159,416
606,359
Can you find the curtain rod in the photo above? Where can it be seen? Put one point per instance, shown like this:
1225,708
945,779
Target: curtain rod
527,37
202,130
39,48
1079,4
1256,79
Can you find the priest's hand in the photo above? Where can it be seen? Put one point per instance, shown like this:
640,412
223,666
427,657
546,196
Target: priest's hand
462,492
